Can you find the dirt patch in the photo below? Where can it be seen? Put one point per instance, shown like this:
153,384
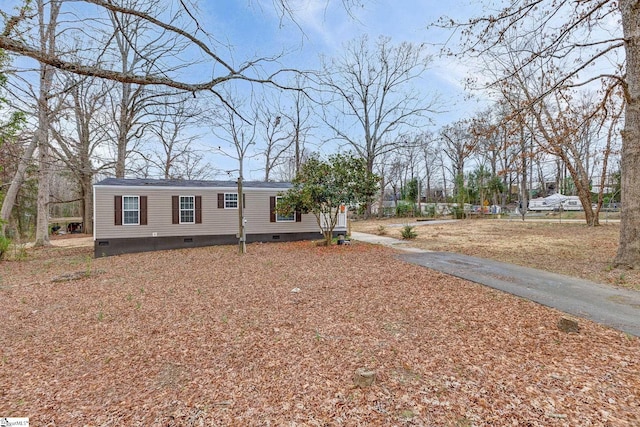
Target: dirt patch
570,248
72,240
207,337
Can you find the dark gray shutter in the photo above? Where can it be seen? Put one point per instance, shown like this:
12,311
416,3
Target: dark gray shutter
117,205
220,200
198,209
143,210
175,210
272,209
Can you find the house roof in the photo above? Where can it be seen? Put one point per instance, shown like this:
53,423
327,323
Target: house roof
148,182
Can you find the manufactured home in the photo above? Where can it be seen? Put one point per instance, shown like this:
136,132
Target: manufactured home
138,215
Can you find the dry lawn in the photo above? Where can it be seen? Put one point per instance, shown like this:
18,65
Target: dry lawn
204,337
570,248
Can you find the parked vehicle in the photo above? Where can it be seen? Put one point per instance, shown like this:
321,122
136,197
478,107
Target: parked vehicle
572,203
540,204
555,202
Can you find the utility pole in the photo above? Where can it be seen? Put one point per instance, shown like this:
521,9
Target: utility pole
242,235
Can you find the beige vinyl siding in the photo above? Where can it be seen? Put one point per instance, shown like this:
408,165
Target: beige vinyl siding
215,221
258,220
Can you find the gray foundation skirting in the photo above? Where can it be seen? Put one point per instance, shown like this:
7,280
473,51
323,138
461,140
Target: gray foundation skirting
117,246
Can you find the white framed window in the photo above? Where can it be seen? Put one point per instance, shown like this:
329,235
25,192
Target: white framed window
130,210
291,217
231,200
187,210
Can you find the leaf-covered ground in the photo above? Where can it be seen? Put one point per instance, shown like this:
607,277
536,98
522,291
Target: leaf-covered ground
207,337
560,246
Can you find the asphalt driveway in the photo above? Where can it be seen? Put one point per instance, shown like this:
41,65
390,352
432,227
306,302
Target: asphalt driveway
614,307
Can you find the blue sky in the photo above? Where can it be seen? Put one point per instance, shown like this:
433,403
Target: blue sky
253,26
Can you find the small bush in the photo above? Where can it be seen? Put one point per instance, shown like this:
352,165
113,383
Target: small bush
404,209
457,212
4,245
19,252
382,230
408,233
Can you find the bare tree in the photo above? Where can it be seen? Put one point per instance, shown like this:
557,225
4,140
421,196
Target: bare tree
483,129
12,150
398,169
23,161
457,144
181,25
299,116
612,127
561,126
287,170
193,165
370,88
428,147
171,127
558,122
575,40
510,149
136,50
411,155
47,34
275,132
444,168
240,134
382,171
498,148
395,175
78,149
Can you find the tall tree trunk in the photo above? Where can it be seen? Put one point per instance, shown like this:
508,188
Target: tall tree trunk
524,196
47,44
444,183
297,145
370,160
85,180
44,162
581,180
86,189
168,163
629,249
123,130
381,199
267,171
16,183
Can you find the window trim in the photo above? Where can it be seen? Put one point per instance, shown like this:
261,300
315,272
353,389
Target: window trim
236,201
192,210
124,211
290,218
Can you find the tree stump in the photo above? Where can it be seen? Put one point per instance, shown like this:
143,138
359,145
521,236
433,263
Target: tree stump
364,378
568,325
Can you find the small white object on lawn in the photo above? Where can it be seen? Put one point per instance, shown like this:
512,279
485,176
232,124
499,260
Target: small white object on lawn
295,290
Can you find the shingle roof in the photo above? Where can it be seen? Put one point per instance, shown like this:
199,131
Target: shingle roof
146,182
